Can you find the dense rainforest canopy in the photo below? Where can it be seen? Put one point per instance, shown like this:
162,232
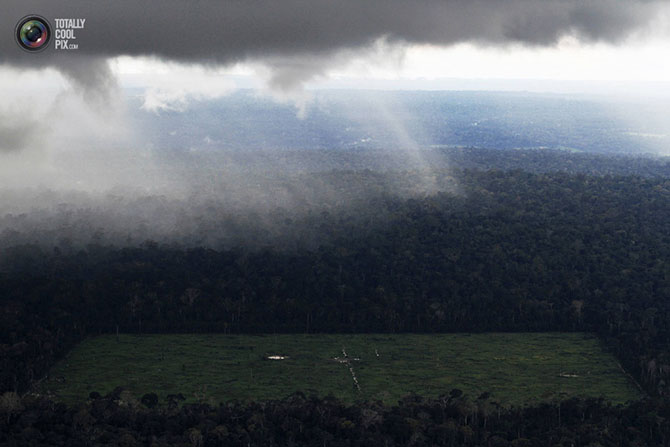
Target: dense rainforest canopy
493,250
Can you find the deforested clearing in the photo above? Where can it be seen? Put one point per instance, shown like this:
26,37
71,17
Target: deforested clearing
515,368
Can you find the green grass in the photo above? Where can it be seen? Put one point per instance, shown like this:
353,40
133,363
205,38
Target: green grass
516,368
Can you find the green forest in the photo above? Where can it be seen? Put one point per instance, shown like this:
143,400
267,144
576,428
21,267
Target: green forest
488,251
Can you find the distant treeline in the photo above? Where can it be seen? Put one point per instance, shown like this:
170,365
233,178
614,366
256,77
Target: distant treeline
437,158
510,251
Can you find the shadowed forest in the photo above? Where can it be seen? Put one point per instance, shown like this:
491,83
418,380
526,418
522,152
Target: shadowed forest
493,249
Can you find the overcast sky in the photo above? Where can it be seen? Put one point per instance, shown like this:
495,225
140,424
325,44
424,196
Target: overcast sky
290,44
568,66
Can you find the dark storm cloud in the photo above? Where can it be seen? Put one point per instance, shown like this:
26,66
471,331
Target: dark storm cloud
307,32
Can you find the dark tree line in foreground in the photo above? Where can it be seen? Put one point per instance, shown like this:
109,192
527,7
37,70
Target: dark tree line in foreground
510,251
119,419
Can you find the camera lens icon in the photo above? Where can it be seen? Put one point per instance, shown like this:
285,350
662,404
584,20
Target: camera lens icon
33,33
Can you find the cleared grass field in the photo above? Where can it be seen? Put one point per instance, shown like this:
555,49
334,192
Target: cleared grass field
515,368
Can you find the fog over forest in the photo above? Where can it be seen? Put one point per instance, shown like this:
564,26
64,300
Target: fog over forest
235,170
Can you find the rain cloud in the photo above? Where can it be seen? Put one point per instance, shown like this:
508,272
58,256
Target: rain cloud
300,39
